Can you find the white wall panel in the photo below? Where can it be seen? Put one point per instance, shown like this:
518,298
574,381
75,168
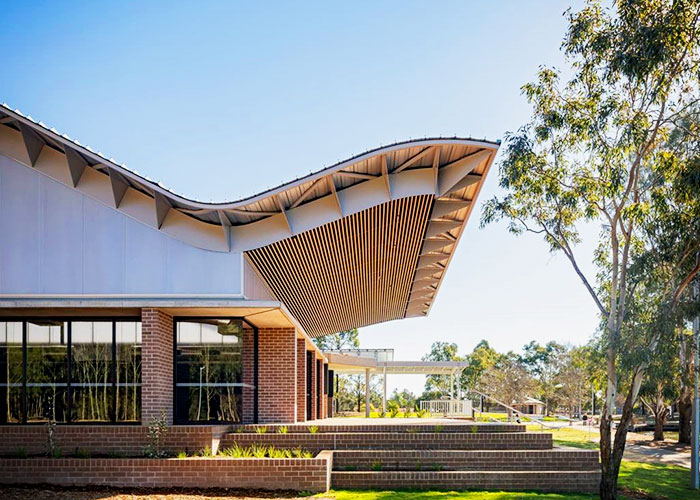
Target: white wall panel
56,240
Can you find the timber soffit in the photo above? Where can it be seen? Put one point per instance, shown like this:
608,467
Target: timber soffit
450,170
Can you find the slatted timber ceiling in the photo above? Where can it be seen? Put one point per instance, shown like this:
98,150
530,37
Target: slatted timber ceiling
353,272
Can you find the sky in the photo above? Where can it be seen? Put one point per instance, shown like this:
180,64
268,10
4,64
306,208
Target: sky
220,100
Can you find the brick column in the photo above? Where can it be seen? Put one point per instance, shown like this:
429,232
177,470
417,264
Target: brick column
156,365
301,380
248,361
277,364
314,397
321,389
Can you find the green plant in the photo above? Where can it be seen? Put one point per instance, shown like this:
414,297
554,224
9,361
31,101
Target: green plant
82,453
382,414
419,466
206,452
408,414
438,428
261,430
474,429
21,452
259,451
376,465
114,454
239,430
350,468
157,429
282,430
437,467
313,429
412,430
421,413
181,454
393,412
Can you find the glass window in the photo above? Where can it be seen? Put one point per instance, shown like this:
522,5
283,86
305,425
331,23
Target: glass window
91,371
80,371
128,372
47,371
208,370
10,372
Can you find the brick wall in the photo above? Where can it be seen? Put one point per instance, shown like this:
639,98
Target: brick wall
314,399
576,481
248,392
396,441
265,473
277,364
156,365
301,380
321,389
107,439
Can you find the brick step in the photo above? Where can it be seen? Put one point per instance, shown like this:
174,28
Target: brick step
559,481
415,426
514,460
396,441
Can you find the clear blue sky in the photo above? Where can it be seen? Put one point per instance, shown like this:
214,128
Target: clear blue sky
218,100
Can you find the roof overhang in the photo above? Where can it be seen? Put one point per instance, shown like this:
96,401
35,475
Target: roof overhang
349,364
363,241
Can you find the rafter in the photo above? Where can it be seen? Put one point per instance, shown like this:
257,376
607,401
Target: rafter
355,175
385,174
33,143
163,206
334,193
119,186
306,193
283,211
412,160
76,165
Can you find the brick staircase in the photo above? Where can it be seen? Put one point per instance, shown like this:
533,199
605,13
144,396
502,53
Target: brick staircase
437,456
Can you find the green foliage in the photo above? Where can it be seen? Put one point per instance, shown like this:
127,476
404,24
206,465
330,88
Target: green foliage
181,454
81,453
262,451
21,452
206,452
283,429
313,429
437,467
157,429
438,429
376,465
261,429
474,429
348,339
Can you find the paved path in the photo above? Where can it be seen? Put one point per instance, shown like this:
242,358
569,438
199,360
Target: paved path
641,448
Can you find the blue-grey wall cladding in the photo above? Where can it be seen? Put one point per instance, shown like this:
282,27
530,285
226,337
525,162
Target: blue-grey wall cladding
56,240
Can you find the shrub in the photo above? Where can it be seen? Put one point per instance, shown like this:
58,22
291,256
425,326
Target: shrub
282,430
82,453
206,452
393,412
421,413
21,452
437,467
181,454
376,465
313,429
259,451
261,430
419,466
412,430
350,468
438,428
157,428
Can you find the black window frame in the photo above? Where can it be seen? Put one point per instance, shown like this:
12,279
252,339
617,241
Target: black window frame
69,392
176,320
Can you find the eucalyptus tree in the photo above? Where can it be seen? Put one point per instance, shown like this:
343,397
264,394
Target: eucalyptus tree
594,147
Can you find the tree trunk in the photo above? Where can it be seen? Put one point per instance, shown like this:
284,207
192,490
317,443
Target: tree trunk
685,410
659,421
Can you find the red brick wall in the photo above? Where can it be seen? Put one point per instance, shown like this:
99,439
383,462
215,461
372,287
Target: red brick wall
248,392
314,398
301,380
265,473
277,364
156,365
129,440
321,389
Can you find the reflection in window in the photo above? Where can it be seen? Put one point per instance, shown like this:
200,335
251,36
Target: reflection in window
10,372
91,371
47,371
209,370
80,371
128,372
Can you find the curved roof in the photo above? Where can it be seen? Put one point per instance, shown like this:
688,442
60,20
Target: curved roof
362,241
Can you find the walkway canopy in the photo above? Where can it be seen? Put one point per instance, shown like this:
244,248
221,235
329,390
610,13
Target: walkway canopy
381,362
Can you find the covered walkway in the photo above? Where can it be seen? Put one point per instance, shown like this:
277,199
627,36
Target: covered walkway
381,362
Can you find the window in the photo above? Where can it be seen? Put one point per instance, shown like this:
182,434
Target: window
208,370
70,371
10,372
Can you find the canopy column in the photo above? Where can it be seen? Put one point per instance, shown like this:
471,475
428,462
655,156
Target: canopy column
384,390
367,392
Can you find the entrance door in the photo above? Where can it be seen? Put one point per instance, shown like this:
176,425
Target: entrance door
310,365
